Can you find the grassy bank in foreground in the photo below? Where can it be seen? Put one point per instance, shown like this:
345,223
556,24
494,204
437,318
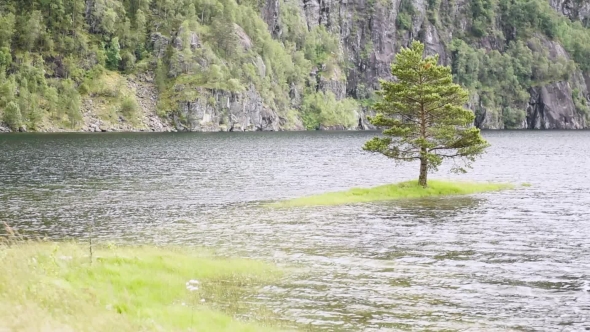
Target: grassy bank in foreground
52,287
403,190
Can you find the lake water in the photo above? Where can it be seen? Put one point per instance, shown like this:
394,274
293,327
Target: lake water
510,261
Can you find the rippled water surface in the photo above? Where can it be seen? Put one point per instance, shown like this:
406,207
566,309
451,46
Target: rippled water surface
510,261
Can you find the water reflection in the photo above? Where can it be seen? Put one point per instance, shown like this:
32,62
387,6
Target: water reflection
430,209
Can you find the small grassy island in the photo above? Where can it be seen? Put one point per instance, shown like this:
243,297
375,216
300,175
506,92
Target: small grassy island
403,190
53,287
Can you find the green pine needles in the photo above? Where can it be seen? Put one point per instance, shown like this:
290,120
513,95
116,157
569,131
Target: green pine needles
423,116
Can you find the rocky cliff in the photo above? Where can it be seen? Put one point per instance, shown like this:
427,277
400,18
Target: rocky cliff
227,65
370,32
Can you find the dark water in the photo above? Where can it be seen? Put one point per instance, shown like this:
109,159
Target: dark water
510,261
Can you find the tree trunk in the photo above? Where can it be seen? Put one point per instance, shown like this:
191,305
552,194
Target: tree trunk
422,180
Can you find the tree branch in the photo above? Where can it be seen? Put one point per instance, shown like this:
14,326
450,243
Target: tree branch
442,105
440,148
450,156
406,158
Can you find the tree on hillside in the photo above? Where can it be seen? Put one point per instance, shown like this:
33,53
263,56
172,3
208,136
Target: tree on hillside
12,116
423,116
113,54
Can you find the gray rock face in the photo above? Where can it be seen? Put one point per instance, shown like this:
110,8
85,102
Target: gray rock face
337,87
370,38
552,107
484,118
228,111
159,43
364,124
270,14
574,9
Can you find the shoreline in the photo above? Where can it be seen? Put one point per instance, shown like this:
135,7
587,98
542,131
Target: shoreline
8,132
129,288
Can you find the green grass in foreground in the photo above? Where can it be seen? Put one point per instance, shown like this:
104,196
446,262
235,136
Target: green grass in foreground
52,287
403,190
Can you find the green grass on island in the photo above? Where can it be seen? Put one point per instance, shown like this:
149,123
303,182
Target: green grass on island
403,190
53,287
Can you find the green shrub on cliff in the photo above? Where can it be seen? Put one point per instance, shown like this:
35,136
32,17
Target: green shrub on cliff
129,107
323,110
404,17
12,116
71,103
113,54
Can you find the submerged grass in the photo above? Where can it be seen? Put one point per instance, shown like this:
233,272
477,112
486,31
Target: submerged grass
403,190
53,287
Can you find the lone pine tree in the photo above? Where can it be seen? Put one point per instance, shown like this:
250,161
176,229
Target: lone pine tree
423,116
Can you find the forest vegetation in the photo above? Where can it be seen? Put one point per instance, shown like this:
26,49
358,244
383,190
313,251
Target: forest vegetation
56,55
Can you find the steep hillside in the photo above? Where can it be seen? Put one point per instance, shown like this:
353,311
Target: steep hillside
209,65
524,61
